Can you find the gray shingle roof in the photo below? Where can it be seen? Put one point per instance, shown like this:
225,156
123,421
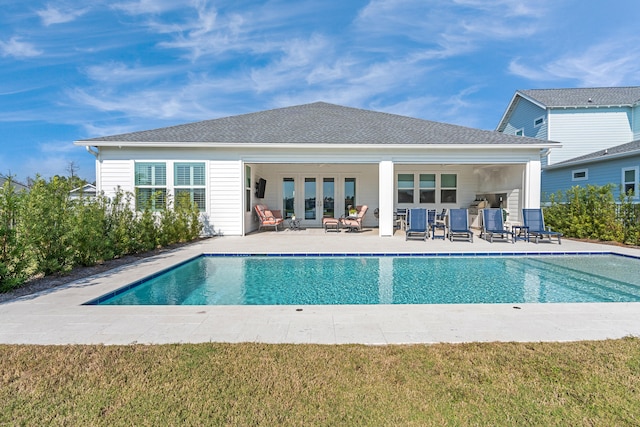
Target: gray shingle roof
631,148
320,123
579,97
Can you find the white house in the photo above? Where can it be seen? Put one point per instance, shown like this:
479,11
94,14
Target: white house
315,159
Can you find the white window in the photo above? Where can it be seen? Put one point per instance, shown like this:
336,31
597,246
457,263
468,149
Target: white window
538,122
151,185
427,188
630,181
580,175
405,188
520,132
448,188
189,179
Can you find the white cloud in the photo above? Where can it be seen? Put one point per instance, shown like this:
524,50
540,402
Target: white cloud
118,73
145,7
19,49
52,15
610,63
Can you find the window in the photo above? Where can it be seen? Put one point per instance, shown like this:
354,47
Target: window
288,197
427,188
405,188
630,181
189,179
151,185
349,194
448,188
520,132
580,175
538,122
247,188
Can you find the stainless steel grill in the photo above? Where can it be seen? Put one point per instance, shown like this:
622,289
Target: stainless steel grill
476,205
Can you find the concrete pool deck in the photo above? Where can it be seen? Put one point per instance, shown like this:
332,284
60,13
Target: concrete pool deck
57,316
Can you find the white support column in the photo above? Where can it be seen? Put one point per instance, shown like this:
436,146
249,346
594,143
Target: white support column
532,181
385,198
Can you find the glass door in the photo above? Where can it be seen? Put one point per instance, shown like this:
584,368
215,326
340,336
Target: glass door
310,199
328,198
319,199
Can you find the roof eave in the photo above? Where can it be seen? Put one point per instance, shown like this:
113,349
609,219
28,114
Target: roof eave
119,144
601,158
503,121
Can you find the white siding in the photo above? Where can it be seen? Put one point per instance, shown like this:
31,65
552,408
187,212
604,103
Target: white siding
114,174
226,197
584,131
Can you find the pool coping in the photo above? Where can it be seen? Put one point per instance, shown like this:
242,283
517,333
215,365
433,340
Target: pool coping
58,316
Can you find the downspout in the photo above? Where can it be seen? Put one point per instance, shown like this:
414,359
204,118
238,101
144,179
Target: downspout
95,153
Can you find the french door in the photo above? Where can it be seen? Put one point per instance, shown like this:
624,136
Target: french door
319,199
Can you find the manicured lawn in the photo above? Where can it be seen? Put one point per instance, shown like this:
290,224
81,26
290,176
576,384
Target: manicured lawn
583,383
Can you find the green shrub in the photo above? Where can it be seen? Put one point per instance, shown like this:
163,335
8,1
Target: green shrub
46,225
14,259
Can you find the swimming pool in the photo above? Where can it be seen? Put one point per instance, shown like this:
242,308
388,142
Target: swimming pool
400,279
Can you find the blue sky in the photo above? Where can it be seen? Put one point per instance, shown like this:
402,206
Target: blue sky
74,69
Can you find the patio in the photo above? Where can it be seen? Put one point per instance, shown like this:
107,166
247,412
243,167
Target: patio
57,316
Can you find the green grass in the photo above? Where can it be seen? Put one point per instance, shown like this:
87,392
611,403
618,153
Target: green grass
582,383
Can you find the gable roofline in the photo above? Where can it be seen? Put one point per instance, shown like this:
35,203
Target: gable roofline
551,99
619,151
512,106
315,125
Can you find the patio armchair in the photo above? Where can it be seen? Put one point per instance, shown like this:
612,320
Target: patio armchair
268,218
493,226
354,223
459,225
534,223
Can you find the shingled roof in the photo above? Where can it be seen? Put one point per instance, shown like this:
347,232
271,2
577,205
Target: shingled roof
585,97
630,148
316,123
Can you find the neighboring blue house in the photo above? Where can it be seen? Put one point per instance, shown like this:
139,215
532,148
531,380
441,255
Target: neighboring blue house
599,129
619,165
584,120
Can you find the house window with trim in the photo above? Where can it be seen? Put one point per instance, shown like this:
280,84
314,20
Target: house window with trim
288,197
580,175
190,179
538,122
448,187
405,188
247,188
349,194
520,132
630,181
151,185
427,188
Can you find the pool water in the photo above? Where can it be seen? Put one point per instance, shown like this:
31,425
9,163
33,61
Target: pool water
294,280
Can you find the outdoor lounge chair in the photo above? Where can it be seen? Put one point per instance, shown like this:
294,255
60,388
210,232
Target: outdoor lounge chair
534,223
459,225
493,225
268,218
417,226
354,223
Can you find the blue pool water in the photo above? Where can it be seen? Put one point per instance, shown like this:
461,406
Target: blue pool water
268,280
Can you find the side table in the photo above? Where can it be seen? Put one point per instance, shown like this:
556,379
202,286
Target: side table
294,224
520,232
